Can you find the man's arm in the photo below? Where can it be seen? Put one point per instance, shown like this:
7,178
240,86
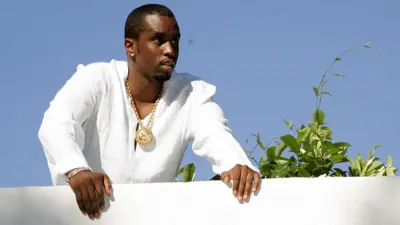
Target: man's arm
61,133
63,138
213,140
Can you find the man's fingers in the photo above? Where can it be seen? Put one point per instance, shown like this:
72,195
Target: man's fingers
78,196
107,185
257,182
242,184
89,190
93,200
236,180
86,200
245,181
225,177
100,193
247,188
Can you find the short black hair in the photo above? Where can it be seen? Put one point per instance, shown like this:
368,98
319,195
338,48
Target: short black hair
134,22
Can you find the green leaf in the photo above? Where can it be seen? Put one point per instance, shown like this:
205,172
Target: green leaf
389,171
265,167
303,172
338,159
335,151
306,145
353,169
325,133
281,148
338,172
375,166
216,177
376,147
389,161
338,75
381,172
281,171
303,134
316,91
338,59
318,117
318,149
282,160
325,93
188,172
360,163
289,124
271,153
259,141
290,141
342,145
367,166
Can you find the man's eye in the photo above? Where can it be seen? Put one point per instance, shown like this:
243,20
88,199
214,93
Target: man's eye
158,40
175,41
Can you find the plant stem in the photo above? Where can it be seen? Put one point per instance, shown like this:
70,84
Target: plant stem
323,81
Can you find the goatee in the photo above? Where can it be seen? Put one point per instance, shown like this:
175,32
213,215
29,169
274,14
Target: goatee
162,78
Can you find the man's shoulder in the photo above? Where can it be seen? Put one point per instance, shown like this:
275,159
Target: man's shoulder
192,86
105,71
102,65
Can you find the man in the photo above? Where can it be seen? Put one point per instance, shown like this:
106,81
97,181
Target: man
130,122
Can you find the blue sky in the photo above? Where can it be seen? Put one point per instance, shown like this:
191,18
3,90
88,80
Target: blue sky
263,56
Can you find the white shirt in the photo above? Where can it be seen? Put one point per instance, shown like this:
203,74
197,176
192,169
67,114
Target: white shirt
90,123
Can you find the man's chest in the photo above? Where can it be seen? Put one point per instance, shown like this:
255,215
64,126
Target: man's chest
143,110
118,117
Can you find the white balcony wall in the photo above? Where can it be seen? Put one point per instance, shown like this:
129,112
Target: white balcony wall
294,201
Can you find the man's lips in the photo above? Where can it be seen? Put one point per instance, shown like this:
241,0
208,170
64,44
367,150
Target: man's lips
169,62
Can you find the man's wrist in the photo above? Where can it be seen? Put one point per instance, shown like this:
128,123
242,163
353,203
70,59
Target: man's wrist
75,171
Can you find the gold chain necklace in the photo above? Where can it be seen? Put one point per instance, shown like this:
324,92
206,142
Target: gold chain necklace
144,136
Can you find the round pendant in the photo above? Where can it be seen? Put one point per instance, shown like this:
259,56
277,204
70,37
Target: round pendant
144,136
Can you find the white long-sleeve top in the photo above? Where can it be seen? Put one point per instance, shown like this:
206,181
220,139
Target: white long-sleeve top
90,123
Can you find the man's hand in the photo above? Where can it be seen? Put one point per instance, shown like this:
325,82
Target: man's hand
89,191
245,181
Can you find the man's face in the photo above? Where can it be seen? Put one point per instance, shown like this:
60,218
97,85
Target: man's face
157,49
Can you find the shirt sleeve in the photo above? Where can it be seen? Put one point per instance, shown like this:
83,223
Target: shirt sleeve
61,133
208,128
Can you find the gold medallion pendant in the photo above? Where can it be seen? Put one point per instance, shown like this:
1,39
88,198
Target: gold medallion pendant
144,136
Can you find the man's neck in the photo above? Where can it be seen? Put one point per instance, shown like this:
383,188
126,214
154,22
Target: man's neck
143,89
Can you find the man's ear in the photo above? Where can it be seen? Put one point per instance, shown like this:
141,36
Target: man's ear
130,46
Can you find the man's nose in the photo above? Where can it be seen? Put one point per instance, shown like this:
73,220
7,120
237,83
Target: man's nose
170,49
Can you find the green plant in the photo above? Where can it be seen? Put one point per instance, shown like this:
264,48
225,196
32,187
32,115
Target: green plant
188,173
312,151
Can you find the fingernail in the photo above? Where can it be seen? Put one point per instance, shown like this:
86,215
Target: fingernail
245,197
97,215
102,208
254,189
240,198
235,193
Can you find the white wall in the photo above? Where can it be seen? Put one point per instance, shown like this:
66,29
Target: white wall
318,201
